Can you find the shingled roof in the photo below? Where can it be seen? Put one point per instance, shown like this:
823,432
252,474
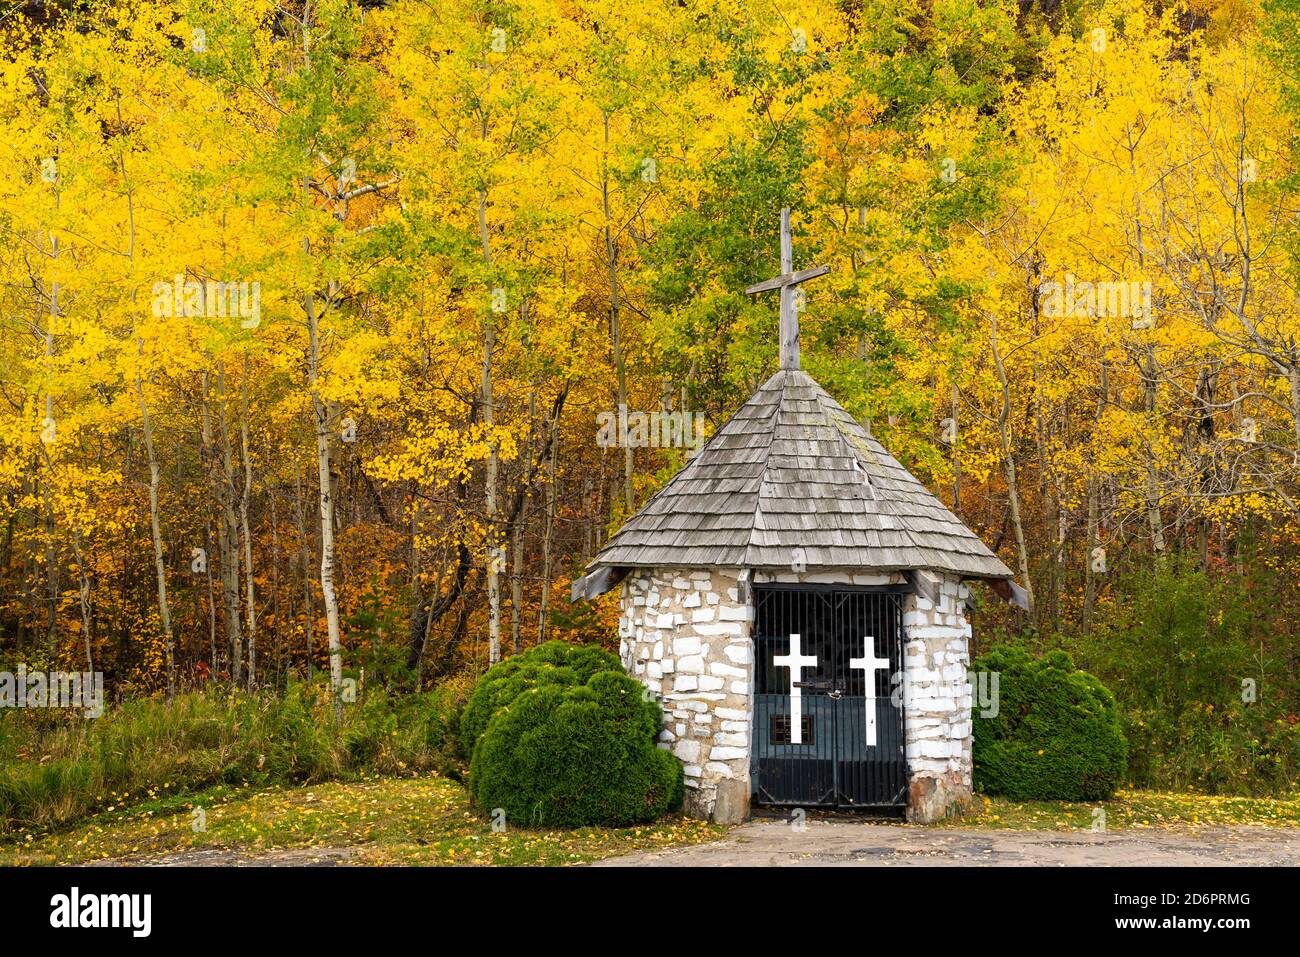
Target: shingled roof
793,470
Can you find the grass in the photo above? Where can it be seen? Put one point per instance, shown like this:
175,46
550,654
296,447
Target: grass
418,820
1132,810
274,775
428,820
56,770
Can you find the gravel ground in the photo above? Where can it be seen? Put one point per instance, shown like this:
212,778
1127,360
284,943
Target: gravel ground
858,844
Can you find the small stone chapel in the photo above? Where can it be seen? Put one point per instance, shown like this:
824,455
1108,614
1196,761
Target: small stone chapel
797,602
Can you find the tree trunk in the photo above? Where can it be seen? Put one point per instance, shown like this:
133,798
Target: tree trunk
517,583
164,610
417,620
519,521
1009,465
1155,520
495,554
275,587
308,615
206,460
245,531
548,529
1094,520
51,563
83,595
326,501
956,458
229,538
1293,379
615,323
1053,515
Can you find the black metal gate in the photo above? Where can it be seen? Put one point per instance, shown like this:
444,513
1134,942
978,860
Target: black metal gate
828,730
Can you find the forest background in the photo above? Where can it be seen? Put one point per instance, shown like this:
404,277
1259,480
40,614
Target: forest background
310,313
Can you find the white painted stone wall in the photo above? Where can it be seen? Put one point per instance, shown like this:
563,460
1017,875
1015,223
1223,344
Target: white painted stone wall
937,699
686,635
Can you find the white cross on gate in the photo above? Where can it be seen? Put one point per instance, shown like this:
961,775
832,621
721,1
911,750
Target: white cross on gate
870,664
796,663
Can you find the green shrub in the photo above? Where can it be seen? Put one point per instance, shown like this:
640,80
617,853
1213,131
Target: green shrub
570,755
1056,735
551,663
56,768
1175,647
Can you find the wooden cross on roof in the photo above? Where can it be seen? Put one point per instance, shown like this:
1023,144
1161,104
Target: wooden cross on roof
788,282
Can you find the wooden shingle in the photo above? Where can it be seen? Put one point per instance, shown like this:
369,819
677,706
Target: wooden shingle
792,477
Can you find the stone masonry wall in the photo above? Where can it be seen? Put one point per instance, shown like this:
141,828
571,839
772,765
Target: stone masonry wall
686,635
937,699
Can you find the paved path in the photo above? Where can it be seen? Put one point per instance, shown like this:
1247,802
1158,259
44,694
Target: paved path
857,844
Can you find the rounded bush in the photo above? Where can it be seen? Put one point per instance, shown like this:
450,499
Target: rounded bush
578,754
1057,733
551,663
